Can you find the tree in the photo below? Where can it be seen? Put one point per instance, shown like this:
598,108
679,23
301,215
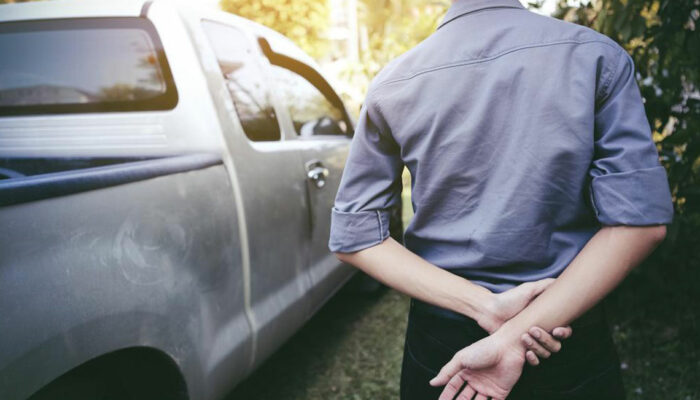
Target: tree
387,28
303,21
395,26
663,38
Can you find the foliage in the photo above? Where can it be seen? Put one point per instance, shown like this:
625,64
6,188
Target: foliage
303,21
395,26
663,39
388,28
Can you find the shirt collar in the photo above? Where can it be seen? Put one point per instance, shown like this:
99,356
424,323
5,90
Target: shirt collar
462,7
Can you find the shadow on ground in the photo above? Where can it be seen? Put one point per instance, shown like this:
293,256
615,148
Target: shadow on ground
351,349
655,316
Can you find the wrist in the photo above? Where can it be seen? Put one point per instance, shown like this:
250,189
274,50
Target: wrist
485,311
510,336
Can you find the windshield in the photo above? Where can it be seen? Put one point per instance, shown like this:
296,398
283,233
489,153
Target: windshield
82,65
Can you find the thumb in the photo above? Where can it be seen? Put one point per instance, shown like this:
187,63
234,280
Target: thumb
447,371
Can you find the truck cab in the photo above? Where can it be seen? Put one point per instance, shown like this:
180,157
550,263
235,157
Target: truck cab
166,179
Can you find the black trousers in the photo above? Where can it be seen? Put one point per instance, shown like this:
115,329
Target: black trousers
587,366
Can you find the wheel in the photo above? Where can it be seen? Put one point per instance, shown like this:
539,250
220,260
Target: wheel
82,384
129,374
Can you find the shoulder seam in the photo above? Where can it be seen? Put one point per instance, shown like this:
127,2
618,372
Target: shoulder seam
372,101
606,85
480,60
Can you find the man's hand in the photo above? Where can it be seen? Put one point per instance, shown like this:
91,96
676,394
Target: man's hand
392,264
505,305
491,367
539,343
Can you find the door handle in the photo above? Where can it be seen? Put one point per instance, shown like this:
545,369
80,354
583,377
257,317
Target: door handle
317,173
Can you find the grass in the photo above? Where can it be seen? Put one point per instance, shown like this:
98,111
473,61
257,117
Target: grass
656,326
352,348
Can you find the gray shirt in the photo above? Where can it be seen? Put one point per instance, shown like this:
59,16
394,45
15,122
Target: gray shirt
523,134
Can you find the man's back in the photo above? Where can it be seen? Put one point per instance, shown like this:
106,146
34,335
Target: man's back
522,134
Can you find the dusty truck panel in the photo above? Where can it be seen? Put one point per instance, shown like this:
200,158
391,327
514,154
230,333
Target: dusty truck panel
325,150
167,227
282,291
144,263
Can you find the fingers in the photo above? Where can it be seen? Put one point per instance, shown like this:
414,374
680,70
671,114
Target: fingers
532,358
452,387
535,346
447,371
480,397
467,393
545,339
563,332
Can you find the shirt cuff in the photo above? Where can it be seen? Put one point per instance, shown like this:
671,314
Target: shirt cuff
638,197
354,231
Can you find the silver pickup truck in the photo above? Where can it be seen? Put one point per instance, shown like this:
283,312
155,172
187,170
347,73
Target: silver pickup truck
166,178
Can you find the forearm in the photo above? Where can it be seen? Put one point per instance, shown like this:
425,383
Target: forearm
392,264
601,265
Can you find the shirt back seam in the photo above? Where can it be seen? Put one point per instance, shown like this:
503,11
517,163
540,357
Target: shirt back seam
491,58
479,10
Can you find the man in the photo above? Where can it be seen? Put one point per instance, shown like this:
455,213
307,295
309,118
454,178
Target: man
531,158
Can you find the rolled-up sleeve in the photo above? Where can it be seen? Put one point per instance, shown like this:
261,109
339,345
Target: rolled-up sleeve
627,185
369,186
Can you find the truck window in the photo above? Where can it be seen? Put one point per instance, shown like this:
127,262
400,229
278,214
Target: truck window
246,85
311,112
83,65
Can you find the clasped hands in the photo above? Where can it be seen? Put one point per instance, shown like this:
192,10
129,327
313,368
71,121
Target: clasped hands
492,366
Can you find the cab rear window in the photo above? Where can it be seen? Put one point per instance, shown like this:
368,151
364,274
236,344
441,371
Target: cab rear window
83,65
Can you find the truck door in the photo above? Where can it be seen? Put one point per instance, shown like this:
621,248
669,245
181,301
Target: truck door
321,125
272,188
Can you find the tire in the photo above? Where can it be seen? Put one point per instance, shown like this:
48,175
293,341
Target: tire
130,374
82,384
